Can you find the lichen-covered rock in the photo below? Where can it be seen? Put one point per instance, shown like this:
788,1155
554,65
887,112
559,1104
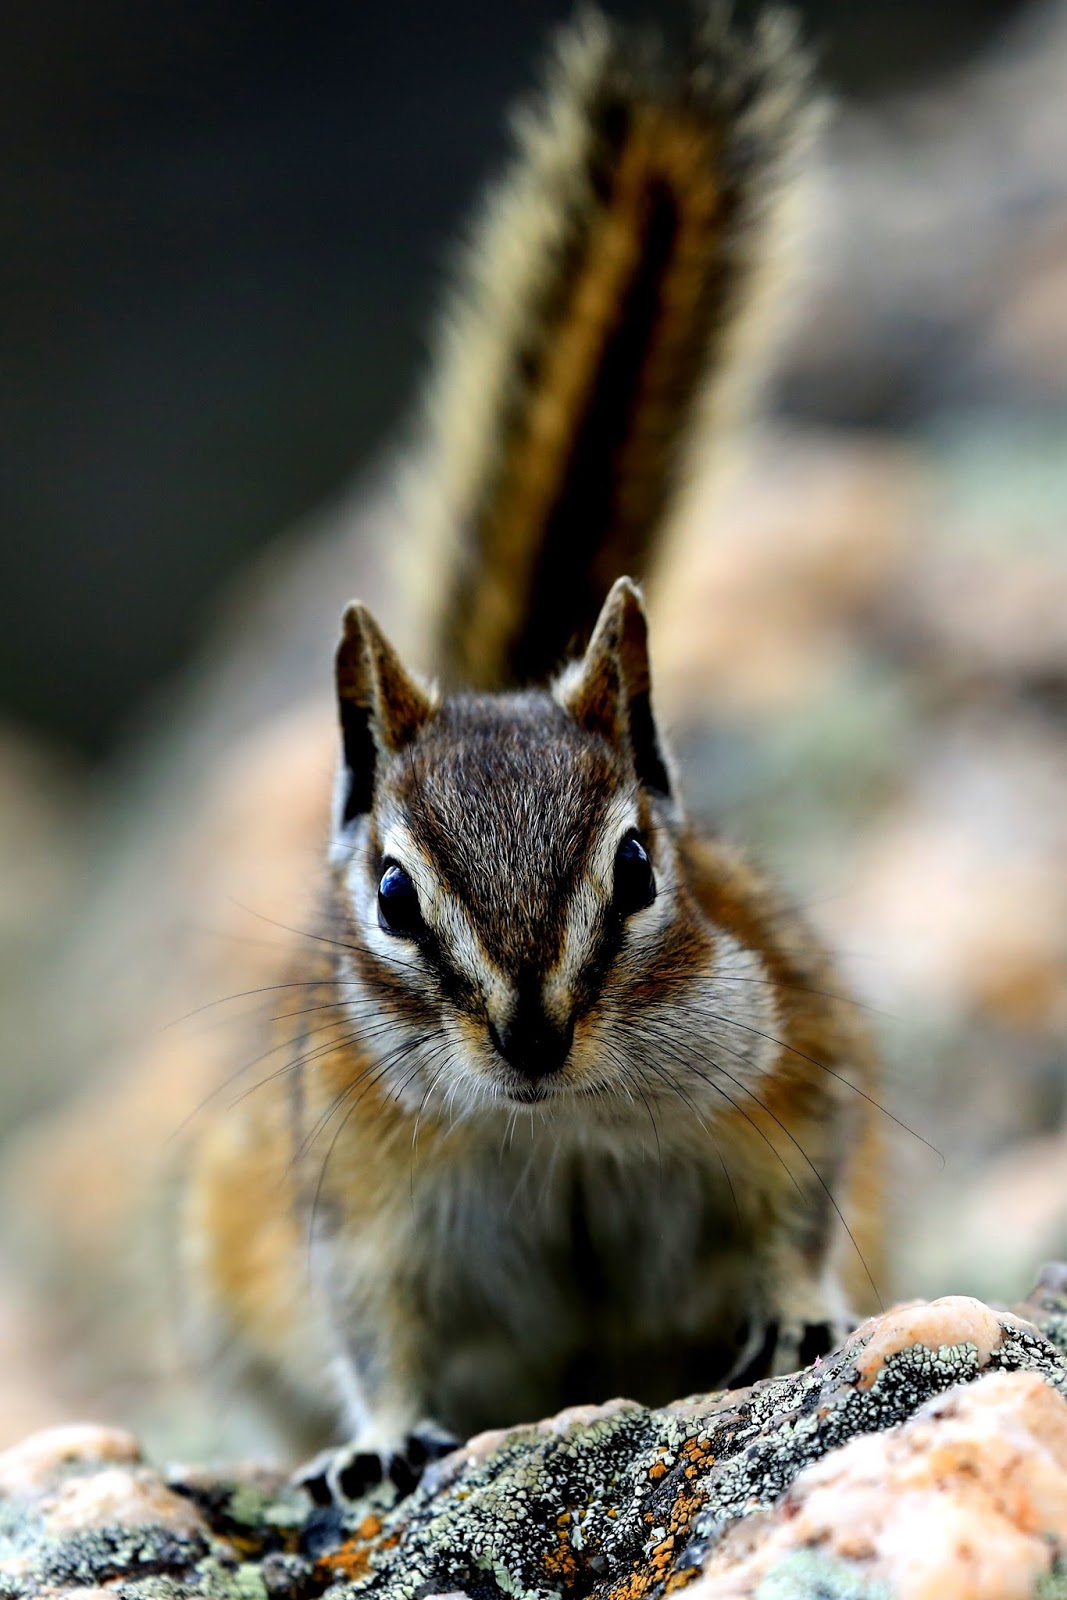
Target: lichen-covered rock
968,1500
927,1457
78,1506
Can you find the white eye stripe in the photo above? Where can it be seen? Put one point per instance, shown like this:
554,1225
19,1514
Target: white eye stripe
620,818
739,1012
591,898
399,846
443,913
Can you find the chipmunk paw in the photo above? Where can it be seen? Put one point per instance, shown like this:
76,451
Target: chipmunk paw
800,1343
779,1346
346,1473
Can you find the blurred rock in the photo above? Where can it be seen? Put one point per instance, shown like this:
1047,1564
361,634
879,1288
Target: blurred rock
941,562
936,264
768,583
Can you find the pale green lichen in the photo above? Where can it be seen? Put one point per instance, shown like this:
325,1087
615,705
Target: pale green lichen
251,1504
808,1576
157,1589
244,1584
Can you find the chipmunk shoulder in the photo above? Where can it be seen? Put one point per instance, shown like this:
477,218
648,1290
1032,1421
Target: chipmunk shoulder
572,1106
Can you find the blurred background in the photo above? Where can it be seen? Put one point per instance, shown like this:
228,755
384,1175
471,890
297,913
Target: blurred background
224,229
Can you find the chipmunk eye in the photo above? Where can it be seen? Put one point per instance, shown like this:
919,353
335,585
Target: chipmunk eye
398,904
635,884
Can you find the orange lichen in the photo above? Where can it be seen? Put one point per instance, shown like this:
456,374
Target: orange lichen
656,1569
698,1454
351,1560
679,1579
561,1561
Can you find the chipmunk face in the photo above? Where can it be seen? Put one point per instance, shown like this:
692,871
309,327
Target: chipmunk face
508,873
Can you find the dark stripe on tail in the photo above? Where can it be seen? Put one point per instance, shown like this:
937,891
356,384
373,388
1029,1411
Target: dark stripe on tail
614,476
647,189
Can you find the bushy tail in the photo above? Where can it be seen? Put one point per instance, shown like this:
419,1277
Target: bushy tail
604,303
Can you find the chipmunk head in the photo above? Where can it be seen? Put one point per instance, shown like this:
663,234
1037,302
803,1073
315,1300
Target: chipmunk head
507,867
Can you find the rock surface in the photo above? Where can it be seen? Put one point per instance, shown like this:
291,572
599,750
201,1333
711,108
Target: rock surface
925,1458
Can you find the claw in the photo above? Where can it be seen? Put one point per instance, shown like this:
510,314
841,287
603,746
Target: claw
345,1474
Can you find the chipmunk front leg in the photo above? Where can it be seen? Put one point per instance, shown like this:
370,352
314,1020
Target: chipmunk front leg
811,1306
379,1374
812,1319
804,1313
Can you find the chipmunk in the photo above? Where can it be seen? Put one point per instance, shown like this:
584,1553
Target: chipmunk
572,1106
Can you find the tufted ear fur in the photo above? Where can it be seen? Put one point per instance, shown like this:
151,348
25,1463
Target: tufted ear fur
609,692
381,705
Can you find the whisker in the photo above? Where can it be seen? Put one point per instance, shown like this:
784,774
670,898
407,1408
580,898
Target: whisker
684,1060
718,1150
361,1035
220,1088
651,1117
410,1045
320,1052
301,933
804,988
819,1178
737,1082
733,1022
374,1071
245,994
427,1092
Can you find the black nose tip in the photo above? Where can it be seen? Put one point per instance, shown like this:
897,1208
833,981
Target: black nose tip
536,1049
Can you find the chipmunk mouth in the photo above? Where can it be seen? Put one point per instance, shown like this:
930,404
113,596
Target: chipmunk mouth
530,1094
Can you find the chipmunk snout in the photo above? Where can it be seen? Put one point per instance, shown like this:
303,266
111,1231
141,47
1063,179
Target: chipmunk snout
530,1041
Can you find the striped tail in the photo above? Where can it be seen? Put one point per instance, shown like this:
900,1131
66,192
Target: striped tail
604,308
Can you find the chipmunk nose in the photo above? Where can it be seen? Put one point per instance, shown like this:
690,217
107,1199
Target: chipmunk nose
530,1041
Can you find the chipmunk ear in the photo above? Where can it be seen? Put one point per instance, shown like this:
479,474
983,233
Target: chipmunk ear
382,708
609,691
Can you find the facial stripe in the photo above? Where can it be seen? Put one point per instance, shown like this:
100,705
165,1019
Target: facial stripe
592,939
504,796
459,951
509,825
679,1003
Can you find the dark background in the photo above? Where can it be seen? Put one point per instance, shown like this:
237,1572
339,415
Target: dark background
222,227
